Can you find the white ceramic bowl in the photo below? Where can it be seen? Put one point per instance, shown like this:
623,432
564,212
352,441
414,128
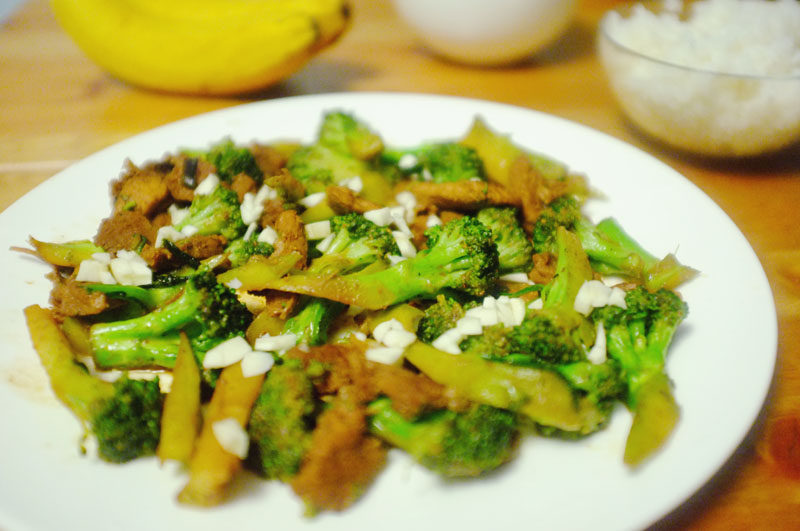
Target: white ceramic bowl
487,32
697,110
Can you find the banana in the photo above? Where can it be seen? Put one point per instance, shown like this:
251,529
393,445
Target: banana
208,47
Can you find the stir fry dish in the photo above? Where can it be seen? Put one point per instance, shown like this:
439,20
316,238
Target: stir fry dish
299,310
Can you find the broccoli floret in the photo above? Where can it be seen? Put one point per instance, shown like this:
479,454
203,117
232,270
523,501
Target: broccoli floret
436,162
148,297
453,444
345,134
215,213
343,147
207,311
312,322
638,338
460,256
439,317
239,251
356,243
127,424
544,339
281,421
230,160
610,249
492,343
513,246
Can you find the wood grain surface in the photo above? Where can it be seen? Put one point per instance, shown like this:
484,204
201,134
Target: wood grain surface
57,107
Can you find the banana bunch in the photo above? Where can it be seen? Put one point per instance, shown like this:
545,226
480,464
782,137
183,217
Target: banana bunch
210,47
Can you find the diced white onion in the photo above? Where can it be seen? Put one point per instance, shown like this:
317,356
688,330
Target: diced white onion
433,220
399,338
487,316
594,294
407,162
251,229
517,306
207,185
519,278
538,304
380,216
226,353
231,436
189,231
325,244
387,355
398,215
177,214
617,298
268,235
354,183
279,343
469,326
168,232
312,200
130,269
256,362
318,230
381,329
407,249
251,209
449,341
103,258
598,354
94,271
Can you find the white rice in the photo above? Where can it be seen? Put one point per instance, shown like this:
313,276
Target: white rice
723,115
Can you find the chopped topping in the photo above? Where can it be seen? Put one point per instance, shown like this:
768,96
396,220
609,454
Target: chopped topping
318,230
279,343
130,269
268,235
226,353
231,436
595,294
256,362
208,185
407,249
387,355
597,354
312,200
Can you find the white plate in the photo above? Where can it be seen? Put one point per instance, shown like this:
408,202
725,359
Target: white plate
722,361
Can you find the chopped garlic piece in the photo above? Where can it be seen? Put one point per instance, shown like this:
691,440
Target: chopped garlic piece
520,278
168,232
279,343
469,326
231,436
177,214
130,269
407,162
407,249
226,353
312,200
598,354
318,230
380,331
189,230
449,341
208,185
387,355
94,271
256,362
433,220
354,183
380,216
268,235
251,208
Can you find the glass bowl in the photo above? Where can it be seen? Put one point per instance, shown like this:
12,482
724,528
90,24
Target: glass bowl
701,111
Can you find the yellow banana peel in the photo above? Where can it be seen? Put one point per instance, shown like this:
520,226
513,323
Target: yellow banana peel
210,47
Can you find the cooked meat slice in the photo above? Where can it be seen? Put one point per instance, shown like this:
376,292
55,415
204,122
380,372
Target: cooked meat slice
288,186
291,236
186,174
141,189
269,160
411,392
462,196
343,458
343,201
202,247
69,298
242,184
544,268
124,230
272,209
280,304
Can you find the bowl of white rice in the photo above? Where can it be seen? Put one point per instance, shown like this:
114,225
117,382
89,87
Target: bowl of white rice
713,77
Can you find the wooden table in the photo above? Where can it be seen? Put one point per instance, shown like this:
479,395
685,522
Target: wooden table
56,107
